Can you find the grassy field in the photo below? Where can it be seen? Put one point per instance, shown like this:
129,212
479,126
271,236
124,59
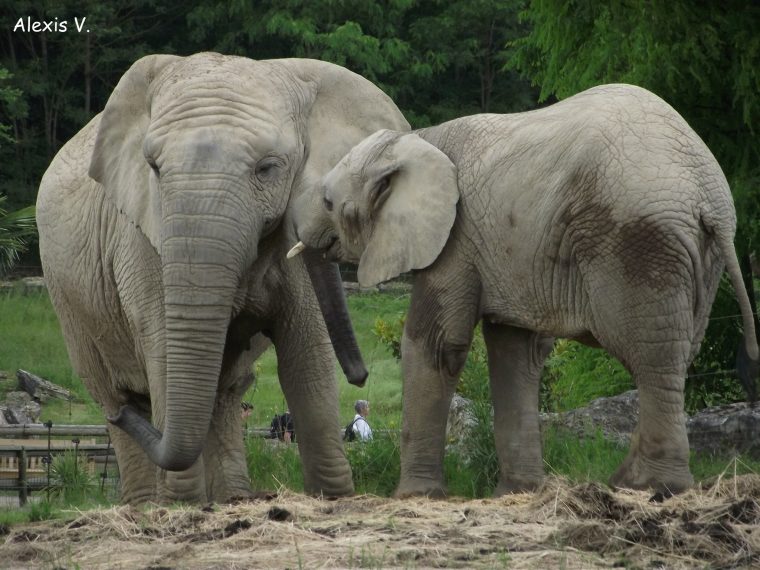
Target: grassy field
32,341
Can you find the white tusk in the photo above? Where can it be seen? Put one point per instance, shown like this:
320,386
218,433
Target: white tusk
296,249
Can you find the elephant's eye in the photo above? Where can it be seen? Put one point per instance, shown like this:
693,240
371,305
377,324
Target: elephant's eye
268,167
153,166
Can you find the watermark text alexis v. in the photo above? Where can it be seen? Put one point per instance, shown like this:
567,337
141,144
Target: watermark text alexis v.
29,25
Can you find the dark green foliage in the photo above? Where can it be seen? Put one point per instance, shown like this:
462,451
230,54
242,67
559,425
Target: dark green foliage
580,459
16,230
41,511
474,383
389,334
576,374
376,464
61,79
71,483
712,380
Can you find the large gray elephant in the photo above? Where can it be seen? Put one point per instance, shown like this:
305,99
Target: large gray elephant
163,224
603,218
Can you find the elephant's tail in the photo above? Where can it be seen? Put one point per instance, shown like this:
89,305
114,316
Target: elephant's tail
747,360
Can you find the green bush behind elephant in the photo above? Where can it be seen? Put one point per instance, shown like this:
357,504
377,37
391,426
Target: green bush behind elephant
603,218
163,228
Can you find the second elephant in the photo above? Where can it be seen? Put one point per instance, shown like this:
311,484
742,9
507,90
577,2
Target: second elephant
603,218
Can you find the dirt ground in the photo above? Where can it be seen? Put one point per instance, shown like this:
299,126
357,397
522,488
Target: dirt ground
561,526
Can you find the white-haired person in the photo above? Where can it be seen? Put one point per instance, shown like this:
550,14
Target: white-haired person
361,428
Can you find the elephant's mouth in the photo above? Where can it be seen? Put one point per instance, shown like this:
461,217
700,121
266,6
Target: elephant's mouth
333,250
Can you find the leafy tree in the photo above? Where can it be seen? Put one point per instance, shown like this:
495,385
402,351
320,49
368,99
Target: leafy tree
410,48
62,79
9,97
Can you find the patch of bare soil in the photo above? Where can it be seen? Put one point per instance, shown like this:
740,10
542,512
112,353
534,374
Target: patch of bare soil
567,526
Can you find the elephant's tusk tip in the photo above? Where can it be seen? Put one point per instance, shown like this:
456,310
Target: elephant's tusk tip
296,249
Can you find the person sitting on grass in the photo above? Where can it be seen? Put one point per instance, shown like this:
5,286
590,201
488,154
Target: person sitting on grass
282,428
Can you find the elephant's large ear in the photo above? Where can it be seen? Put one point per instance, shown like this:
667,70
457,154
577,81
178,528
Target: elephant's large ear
413,203
344,108
117,160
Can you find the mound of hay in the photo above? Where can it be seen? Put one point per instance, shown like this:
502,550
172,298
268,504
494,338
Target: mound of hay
562,525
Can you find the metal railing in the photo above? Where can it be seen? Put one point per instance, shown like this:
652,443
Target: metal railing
25,464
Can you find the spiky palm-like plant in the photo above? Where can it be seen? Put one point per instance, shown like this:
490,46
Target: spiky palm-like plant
16,228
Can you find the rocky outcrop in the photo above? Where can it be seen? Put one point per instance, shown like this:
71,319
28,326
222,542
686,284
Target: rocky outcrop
19,408
460,426
40,388
722,430
728,429
615,417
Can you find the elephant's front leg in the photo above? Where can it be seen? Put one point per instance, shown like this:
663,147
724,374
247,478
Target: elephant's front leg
224,454
515,360
437,337
307,376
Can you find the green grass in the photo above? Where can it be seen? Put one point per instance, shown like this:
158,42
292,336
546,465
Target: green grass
272,465
32,341
383,387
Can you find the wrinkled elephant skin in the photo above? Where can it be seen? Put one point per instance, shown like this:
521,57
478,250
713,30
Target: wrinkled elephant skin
602,218
163,230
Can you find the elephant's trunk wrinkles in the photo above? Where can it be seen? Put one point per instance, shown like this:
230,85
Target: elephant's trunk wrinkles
325,278
202,263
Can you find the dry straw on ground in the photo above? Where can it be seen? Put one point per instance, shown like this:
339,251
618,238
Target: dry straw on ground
562,525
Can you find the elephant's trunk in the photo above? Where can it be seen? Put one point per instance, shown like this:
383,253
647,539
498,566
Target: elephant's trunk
202,263
325,278
309,220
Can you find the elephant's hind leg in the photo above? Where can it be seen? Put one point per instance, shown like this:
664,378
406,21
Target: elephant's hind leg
515,360
659,453
657,358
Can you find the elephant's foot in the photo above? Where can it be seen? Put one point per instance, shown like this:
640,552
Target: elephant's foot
321,485
510,485
637,473
230,493
140,497
411,487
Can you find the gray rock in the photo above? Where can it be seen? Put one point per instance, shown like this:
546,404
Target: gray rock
20,408
726,430
720,430
615,416
461,419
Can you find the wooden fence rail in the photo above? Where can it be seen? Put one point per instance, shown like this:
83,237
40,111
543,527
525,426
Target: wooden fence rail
27,449
27,430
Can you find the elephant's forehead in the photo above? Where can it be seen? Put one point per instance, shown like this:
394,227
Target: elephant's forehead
235,83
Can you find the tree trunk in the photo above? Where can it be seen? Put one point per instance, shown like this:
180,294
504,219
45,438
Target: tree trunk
745,262
87,77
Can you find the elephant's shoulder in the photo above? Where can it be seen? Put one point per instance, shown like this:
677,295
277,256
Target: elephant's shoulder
66,179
